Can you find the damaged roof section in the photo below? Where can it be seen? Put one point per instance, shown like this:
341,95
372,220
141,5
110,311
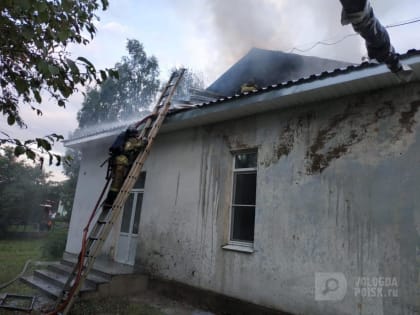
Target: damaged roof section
267,67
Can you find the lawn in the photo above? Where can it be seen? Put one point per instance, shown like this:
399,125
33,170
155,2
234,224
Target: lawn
110,306
13,255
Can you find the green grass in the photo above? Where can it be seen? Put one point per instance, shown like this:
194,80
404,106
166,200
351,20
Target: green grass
22,228
111,306
13,255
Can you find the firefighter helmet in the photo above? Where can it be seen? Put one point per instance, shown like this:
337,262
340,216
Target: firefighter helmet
131,132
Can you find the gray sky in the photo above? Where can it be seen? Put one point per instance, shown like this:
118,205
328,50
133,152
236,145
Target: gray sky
210,35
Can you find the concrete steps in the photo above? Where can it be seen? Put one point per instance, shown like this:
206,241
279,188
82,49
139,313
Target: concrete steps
42,285
51,280
107,278
94,277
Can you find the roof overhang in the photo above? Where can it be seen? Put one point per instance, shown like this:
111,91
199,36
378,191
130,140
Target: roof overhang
322,87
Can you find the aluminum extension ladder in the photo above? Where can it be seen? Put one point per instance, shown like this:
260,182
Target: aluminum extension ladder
107,218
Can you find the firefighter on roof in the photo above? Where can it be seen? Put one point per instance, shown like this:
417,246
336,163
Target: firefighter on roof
249,86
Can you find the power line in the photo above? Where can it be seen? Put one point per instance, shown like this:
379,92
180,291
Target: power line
326,43
402,23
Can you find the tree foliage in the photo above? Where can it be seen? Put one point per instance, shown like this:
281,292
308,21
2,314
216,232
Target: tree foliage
132,93
34,62
22,189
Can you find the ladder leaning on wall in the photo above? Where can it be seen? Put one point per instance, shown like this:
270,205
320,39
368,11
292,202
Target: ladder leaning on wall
92,244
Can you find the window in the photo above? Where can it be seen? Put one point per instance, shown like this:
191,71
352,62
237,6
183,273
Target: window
132,208
244,196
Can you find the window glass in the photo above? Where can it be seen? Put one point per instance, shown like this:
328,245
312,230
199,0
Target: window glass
244,197
246,160
137,214
140,181
243,223
126,218
245,188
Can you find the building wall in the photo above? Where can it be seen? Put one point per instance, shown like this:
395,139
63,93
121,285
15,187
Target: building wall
89,186
337,191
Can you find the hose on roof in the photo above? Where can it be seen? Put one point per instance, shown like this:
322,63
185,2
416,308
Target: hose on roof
359,13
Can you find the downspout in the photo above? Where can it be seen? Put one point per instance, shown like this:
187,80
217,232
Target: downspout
359,14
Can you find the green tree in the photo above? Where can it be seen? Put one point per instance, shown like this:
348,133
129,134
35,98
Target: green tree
34,62
22,189
126,97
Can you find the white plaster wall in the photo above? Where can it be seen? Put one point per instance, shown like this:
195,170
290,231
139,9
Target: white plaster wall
89,186
337,192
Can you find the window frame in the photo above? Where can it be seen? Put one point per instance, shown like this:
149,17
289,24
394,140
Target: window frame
237,244
135,192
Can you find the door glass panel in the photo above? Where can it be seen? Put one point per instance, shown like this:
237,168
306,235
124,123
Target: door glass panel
137,214
125,224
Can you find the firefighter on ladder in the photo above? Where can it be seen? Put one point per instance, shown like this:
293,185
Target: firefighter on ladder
123,152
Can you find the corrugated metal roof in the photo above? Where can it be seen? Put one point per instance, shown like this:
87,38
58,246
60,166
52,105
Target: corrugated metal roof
326,85
264,67
313,77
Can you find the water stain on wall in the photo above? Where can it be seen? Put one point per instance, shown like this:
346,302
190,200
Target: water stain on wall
286,140
385,123
407,118
354,125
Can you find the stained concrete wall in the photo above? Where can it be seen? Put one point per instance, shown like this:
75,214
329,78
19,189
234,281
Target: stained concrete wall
337,191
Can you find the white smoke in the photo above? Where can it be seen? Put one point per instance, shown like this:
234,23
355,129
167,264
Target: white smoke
232,27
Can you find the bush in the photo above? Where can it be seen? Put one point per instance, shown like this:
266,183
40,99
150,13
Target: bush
55,244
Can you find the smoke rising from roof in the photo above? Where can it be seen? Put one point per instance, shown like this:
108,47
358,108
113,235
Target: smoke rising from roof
236,26
241,25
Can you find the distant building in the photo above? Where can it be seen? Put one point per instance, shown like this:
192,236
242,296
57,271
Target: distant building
61,211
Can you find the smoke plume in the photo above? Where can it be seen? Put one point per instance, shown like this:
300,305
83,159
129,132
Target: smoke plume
239,25
235,26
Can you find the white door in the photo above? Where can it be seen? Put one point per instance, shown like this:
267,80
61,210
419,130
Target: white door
130,221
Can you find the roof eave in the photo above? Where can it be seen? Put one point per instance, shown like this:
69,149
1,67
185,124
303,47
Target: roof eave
323,88
318,90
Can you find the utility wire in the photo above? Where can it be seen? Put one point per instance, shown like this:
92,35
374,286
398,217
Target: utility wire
326,43
402,23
